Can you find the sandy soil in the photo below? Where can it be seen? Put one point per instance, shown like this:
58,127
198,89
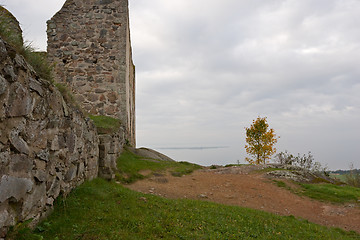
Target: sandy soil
235,186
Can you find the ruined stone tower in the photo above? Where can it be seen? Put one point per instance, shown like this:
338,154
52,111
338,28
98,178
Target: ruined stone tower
89,42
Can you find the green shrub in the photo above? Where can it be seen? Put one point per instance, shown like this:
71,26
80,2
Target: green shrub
353,178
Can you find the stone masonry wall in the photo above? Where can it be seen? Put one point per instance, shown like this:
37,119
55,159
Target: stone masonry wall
47,147
89,40
110,148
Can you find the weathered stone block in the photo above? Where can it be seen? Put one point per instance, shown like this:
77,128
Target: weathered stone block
3,85
81,169
19,144
9,73
40,175
34,202
14,187
71,174
20,101
70,139
36,86
3,51
20,165
54,189
4,218
4,161
40,165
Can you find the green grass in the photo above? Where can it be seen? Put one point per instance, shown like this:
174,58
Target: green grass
281,184
105,124
130,164
236,165
325,192
331,193
38,60
108,211
341,177
67,95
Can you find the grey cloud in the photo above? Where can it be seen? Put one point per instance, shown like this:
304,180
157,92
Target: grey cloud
206,69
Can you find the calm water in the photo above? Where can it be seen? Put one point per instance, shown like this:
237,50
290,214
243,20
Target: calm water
204,156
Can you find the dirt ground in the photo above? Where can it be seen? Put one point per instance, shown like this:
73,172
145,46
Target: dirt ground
238,186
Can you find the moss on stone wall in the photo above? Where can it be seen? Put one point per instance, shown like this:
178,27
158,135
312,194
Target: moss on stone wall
11,32
10,29
105,124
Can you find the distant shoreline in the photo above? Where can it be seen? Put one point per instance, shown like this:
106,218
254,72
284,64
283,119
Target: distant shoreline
192,148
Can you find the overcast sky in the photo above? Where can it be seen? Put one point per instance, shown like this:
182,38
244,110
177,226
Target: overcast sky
206,69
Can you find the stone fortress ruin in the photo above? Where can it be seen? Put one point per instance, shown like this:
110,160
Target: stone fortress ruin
89,42
47,145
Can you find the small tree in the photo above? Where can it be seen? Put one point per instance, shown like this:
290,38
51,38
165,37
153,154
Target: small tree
306,162
353,178
260,141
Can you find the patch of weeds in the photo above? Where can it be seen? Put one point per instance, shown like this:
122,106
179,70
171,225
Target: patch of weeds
353,177
213,167
106,124
105,210
280,184
21,231
68,96
319,180
65,92
38,60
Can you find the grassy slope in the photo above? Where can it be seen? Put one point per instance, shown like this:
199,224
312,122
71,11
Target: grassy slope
331,193
325,192
130,165
106,210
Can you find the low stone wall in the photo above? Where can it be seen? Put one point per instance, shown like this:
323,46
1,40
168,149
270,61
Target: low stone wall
47,147
110,148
